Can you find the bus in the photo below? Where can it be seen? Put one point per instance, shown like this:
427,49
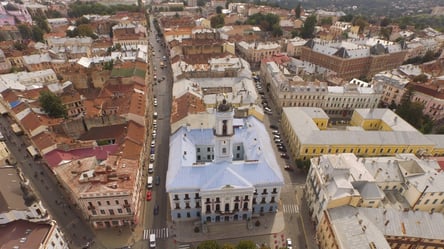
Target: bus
16,129
32,152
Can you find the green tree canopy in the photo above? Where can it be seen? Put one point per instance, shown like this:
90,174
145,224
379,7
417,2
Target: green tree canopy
265,22
219,10
326,21
37,34
246,244
309,27
217,21
52,104
297,11
210,244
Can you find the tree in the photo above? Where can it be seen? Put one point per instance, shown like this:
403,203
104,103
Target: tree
210,244
82,20
25,31
219,10
41,22
386,32
327,21
297,11
37,34
217,21
276,30
361,22
309,27
52,104
420,78
346,18
385,22
246,244
86,30
201,3
53,14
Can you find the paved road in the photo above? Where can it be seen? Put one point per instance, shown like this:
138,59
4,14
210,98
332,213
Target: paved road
45,186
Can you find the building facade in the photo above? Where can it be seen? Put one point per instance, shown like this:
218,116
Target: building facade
336,101
354,58
370,132
222,174
255,52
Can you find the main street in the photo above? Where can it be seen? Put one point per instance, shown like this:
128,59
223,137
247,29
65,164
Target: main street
162,90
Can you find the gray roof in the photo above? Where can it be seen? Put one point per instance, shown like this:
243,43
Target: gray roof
406,224
349,229
260,168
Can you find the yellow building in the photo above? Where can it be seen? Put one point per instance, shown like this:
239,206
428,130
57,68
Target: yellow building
371,132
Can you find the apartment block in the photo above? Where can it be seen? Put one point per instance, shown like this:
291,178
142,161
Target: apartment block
336,101
354,58
370,132
256,51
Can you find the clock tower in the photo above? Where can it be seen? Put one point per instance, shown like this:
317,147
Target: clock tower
223,131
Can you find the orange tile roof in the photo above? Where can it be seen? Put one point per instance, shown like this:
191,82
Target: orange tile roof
44,140
186,104
31,122
131,150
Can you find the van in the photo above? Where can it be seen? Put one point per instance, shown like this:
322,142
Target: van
150,168
149,183
152,240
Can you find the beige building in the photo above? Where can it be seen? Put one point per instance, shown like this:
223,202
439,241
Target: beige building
256,51
336,101
419,181
106,192
393,86
294,46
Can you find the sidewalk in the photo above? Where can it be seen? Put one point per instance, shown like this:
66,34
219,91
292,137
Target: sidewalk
269,224
117,237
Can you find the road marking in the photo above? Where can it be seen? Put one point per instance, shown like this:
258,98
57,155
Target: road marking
161,233
291,208
184,246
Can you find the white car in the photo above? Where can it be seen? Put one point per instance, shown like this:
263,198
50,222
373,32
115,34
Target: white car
152,158
289,244
155,102
153,143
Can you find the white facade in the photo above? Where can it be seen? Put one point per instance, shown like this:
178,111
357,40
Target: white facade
225,173
336,101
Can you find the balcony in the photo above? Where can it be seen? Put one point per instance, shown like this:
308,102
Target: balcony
187,198
176,198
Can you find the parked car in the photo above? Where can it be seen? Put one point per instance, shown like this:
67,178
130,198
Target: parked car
148,195
273,127
285,156
156,209
152,158
282,149
289,244
157,180
276,133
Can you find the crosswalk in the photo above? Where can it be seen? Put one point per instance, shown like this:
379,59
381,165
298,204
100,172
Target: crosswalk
184,246
291,208
161,233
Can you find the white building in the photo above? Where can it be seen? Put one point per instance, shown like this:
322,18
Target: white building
223,174
336,101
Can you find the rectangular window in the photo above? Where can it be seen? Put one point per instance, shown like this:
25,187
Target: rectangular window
208,149
198,149
111,211
119,210
238,147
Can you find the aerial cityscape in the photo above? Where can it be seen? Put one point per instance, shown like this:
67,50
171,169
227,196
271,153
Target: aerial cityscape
221,124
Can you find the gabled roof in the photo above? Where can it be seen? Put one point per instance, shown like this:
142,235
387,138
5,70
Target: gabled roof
342,52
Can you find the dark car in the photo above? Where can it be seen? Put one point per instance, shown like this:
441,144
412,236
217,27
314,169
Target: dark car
282,149
156,209
157,180
288,167
285,156
274,127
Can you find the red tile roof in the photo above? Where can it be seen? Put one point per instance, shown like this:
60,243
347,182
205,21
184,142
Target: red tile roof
53,158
